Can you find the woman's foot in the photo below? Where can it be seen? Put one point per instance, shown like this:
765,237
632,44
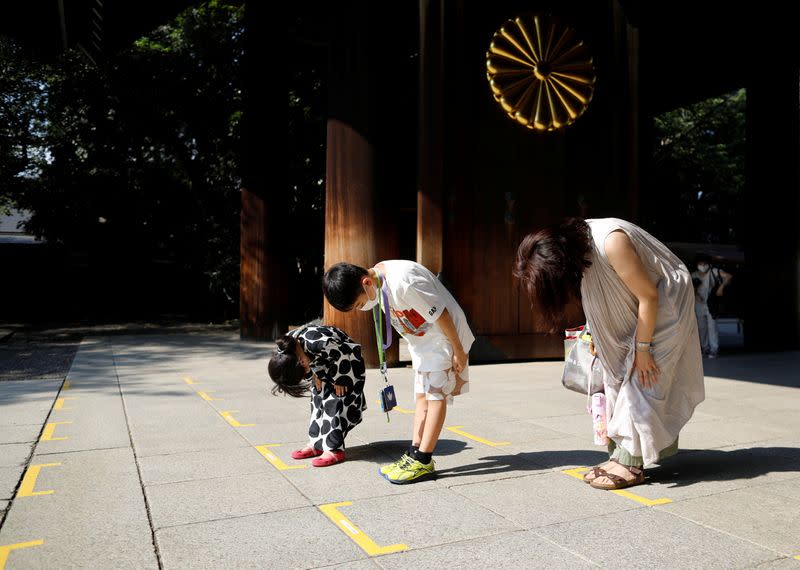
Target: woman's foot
329,458
305,453
618,476
594,472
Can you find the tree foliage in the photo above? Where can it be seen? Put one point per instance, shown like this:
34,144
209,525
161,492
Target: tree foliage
135,159
699,171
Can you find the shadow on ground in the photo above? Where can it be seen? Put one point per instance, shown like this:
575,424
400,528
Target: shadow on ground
702,465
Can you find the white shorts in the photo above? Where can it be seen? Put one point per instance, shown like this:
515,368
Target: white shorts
439,385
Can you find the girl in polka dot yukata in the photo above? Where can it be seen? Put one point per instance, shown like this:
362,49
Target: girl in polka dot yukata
327,363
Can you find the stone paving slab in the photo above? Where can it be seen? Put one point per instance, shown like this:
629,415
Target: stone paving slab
211,499
790,563
754,514
425,518
95,518
652,538
24,433
14,454
520,549
199,465
545,499
299,538
9,478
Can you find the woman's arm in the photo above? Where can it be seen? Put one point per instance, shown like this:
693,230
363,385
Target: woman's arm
625,261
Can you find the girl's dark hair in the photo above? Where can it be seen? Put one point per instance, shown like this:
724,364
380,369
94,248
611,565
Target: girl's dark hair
342,285
550,264
286,371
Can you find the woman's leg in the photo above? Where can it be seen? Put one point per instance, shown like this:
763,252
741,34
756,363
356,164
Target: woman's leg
713,336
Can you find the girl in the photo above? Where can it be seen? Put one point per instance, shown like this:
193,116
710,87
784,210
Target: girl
328,363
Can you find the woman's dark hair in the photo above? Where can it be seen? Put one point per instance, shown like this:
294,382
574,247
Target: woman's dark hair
342,285
286,371
550,264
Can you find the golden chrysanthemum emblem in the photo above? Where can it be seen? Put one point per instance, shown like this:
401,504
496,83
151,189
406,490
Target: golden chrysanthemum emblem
540,72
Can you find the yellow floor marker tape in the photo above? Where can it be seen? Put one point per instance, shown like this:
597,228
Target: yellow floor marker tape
356,534
206,397
6,550
398,409
189,380
272,458
49,430
578,472
59,405
231,420
29,481
459,431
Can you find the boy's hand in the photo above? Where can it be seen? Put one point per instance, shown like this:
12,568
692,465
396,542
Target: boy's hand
460,359
459,384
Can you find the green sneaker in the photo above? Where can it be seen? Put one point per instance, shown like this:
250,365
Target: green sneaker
404,459
411,472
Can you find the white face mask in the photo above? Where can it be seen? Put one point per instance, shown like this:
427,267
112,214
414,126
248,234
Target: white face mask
369,303
702,267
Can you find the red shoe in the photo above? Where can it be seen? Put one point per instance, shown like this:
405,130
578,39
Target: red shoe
306,453
337,457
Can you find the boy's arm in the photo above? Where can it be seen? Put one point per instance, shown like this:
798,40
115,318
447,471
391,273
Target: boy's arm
445,322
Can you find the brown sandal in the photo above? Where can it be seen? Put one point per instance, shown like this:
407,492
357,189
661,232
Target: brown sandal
594,473
618,482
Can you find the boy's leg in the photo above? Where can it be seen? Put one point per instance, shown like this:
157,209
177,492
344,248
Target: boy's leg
437,410
420,415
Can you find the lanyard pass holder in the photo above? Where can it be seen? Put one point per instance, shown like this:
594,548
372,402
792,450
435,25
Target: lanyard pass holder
386,395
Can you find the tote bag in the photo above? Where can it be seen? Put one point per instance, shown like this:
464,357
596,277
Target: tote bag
582,372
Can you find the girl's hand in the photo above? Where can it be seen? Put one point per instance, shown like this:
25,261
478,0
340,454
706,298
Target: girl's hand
460,359
645,365
340,390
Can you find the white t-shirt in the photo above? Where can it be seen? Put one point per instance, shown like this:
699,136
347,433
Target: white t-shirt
416,301
703,290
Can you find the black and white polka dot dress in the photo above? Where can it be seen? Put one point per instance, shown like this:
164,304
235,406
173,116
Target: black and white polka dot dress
337,361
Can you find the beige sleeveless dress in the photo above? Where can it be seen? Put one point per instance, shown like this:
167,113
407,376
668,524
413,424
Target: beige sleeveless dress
644,421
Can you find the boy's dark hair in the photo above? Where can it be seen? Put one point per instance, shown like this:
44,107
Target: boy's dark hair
286,371
550,264
342,285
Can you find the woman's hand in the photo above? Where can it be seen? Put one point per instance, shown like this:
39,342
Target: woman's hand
645,365
340,390
460,359
318,383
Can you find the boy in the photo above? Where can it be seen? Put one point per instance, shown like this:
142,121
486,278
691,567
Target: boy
439,339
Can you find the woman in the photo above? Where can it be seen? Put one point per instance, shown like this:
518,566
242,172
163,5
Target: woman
639,303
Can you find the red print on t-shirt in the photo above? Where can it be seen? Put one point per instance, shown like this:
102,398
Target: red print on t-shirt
411,321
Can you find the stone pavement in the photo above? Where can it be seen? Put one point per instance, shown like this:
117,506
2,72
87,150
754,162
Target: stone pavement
169,452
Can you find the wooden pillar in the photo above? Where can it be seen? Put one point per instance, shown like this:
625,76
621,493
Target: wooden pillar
772,205
355,229
430,234
263,275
